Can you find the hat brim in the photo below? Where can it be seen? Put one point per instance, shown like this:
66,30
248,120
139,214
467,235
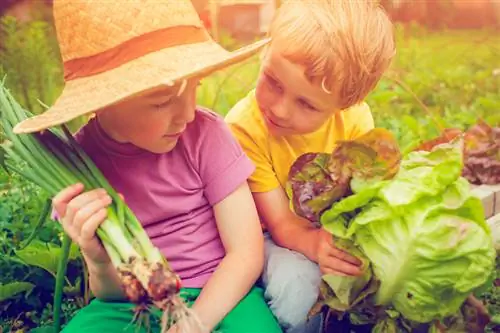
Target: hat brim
167,66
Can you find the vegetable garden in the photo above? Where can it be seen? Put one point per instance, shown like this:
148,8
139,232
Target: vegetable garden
438,115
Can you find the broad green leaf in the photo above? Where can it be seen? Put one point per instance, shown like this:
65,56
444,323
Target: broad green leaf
347,288
423,232
45,256
11,289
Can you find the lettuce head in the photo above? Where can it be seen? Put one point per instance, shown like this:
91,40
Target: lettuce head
422,231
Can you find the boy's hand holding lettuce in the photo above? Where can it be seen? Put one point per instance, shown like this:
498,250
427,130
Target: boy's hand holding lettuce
421,235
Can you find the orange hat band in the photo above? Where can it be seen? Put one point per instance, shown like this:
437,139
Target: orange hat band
133,49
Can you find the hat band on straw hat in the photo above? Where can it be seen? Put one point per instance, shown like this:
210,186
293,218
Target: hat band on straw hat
133,49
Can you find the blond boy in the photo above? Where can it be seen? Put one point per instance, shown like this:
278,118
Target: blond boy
324,59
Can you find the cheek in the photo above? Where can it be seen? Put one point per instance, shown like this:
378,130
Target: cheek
157,124
149,125
309,122
263,95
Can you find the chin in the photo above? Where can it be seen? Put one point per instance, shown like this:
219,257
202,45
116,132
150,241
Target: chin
277,131
165,148
164,151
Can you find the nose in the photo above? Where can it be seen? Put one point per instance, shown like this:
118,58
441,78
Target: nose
280,111
190,113
187,106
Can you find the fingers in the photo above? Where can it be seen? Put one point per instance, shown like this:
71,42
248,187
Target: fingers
344,256
61,200
335,261
77,204
335,266
90,206
81,213
325,271
88,230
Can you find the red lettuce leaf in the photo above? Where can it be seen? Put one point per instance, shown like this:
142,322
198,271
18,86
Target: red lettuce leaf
312,188
481,152
317,180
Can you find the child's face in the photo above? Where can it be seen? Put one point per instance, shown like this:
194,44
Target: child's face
289,102
153,121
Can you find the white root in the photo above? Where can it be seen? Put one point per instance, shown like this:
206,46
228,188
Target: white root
177,312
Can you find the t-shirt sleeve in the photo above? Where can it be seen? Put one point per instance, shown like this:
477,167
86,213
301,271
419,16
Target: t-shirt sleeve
264,179
358,121
223,166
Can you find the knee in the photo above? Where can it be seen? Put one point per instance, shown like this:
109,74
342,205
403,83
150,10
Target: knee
292,289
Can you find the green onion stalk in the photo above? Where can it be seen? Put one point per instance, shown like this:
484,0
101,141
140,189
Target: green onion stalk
53,160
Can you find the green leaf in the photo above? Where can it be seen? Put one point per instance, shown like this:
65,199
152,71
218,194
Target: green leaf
423,232
383,96
11,289
387,325
412,124
489,103
347,288
3,155
496,319
45,256
43,329
392,313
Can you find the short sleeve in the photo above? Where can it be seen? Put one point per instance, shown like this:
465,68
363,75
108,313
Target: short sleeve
358,121
264,178
223,166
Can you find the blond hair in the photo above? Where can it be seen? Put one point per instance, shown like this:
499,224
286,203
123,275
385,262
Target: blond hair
346,45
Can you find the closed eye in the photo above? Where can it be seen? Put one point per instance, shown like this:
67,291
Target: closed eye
163,103
273,82
305,104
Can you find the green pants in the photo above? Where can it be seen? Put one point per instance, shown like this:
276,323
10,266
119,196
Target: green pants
251,315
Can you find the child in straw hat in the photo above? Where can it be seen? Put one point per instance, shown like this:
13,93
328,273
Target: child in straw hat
324,59
136,65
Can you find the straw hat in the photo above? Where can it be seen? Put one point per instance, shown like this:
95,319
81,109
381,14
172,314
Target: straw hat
114,49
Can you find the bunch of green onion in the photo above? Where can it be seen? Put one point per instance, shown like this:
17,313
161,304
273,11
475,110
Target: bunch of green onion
53,160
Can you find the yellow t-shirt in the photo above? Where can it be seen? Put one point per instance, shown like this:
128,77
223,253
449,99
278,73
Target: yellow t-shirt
273,156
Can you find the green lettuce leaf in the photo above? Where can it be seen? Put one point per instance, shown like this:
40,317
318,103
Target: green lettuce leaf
347,288
423,232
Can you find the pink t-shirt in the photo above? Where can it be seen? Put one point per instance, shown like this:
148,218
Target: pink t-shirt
173,194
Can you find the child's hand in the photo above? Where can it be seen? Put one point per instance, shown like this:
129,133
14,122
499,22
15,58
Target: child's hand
80,215
331,260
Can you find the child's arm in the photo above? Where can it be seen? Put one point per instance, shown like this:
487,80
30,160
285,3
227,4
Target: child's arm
104,281
296,233
80,215
286,228
240,231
